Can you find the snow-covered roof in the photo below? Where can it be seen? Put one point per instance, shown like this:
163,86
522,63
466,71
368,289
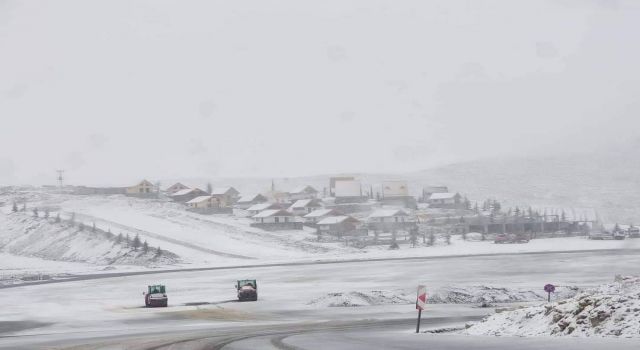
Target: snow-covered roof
248,198
336,220
319,213
303,203
222,190
183,192
445,195
385,213
259,206
198,199
305,188
272,212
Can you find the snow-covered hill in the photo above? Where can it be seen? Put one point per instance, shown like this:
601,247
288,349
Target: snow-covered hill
611,310
25,235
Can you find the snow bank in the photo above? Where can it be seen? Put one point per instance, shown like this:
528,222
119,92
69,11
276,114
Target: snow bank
482,295
25,235
611,310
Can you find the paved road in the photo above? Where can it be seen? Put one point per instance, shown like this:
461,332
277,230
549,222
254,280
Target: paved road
602,252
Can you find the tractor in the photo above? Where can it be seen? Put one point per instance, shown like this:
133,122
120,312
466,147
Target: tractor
247,290
156,296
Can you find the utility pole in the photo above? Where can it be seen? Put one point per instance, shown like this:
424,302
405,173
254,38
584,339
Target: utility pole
60,178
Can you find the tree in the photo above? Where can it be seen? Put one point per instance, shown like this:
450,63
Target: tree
81,226
413,238
119,238
496,206
93,227
431,240
15,207
127,240
136,242
46,213
158,251
35,212
145,246
476,209
517,211
58,218
209,188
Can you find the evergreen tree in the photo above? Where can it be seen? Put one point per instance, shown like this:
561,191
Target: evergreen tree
517,212
145,246
136,242
209,188
158,251
413,238
496,206
14,208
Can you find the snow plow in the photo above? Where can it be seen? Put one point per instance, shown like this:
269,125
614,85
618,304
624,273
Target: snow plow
247,290
156,296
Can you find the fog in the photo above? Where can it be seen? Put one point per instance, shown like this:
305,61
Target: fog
113,91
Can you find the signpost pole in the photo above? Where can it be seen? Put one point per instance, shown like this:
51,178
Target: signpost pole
549,297
419,317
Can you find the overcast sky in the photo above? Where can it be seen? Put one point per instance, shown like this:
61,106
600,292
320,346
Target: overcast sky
117,90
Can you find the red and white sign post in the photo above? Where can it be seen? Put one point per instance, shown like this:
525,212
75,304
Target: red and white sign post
421,303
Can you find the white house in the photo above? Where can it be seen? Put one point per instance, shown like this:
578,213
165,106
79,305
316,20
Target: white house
317,215
276,219
304,206
204,202
338,225
444,200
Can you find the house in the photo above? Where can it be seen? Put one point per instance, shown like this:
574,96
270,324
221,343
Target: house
333,180
187,194
313,217
349,191
226,195
305,206
389,220
247,201
276,219
396,193
429,190
339,225
203,204
257,208
142,189
303,192
445,200
175,188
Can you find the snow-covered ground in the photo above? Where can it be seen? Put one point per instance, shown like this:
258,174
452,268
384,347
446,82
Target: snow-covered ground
610,310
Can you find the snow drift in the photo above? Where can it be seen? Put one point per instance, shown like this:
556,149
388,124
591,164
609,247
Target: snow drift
611,310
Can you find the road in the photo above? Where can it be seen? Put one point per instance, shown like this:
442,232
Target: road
103,312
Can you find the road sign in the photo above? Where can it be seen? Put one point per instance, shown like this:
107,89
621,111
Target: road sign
421,300
549,288
421,304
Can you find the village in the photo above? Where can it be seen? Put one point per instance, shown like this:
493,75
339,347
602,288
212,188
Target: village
348,210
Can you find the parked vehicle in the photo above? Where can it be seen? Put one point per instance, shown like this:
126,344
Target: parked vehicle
247,290
511,238
633,232
602,235
156,296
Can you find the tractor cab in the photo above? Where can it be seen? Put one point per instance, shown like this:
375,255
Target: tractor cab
156,296
247,290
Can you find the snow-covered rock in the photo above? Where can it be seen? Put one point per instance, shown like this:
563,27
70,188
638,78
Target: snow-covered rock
611,310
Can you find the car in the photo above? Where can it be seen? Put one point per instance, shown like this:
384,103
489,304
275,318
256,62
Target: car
602,235
156,296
